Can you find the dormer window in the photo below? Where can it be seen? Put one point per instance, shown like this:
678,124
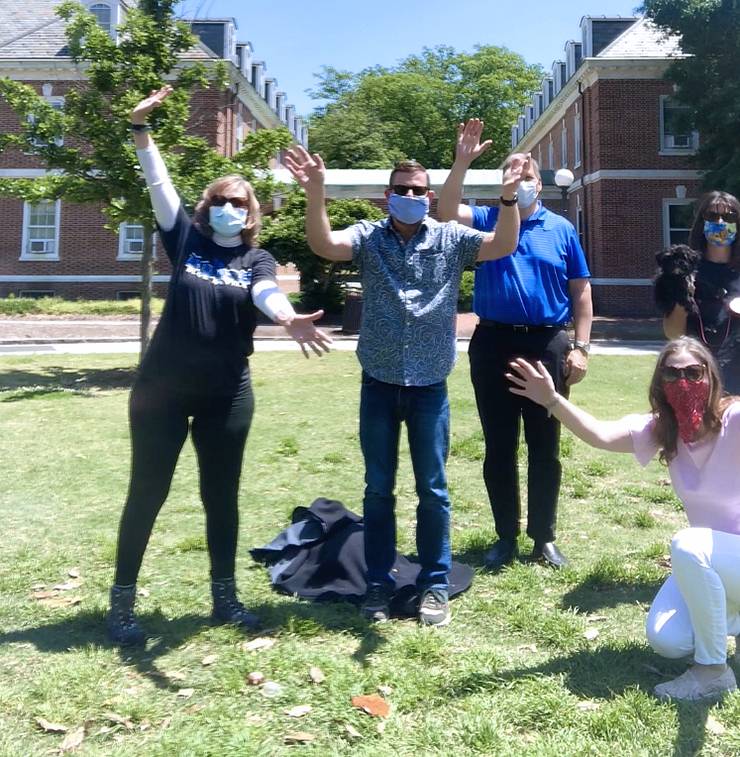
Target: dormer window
103,15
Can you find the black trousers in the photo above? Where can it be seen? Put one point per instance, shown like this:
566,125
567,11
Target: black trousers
490,351
160,417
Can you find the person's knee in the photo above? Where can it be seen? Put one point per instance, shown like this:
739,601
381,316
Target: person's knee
667,639
687,547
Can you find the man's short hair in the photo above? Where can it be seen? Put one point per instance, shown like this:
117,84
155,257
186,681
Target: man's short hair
535,165
407,166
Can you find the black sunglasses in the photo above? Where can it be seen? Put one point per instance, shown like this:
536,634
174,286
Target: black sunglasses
402,189
237,202
690,373
730,216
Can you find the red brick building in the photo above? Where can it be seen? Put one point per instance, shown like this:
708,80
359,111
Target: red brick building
606,113
62,248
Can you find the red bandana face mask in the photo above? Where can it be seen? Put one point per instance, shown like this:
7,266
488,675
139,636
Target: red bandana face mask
689,402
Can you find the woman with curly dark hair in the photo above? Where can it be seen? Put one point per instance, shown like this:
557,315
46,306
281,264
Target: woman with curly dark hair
695,430
195,375
716,319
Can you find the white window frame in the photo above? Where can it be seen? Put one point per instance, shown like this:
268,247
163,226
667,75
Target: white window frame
576,140
26,239
667,203
564,146
123,252
550,154
112,23
56,102
667,146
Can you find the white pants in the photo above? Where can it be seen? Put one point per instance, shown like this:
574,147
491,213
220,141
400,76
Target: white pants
699,604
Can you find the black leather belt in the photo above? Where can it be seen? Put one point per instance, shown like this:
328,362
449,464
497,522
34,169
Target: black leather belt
520,328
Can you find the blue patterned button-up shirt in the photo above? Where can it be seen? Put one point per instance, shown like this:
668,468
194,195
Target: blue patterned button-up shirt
407,334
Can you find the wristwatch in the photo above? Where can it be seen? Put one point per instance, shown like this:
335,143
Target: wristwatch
510,202
584,347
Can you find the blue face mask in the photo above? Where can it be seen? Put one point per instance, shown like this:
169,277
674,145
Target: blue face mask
407,209
226,219
720,233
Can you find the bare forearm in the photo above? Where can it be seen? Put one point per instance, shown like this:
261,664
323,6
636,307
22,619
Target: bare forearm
318,228
674,324
608,435
451,195
583,314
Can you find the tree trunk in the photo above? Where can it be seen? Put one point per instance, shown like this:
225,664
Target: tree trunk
146,288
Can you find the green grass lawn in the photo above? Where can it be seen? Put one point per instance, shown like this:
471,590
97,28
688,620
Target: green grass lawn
534,663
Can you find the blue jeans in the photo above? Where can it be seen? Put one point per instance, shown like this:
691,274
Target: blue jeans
426,410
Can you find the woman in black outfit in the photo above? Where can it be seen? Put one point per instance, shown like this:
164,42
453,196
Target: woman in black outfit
195,373
716,288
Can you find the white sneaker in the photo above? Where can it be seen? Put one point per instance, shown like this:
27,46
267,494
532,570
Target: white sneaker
687,687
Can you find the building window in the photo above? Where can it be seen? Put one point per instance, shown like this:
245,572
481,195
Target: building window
131,241
58,104
550,154
41,231
678,216
676,136
103,16
577,140
564,147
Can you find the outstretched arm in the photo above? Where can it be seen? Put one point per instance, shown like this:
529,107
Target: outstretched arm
165,200
309,172
535,383
467,149
505,238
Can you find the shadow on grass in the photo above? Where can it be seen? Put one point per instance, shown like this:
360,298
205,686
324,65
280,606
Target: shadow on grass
603,674
594,594
28,384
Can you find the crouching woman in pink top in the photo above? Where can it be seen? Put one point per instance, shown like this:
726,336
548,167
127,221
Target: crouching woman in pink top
696,431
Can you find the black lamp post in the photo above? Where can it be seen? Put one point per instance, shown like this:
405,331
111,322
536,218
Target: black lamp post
563,179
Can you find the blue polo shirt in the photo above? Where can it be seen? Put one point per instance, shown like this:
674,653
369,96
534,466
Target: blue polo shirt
531,285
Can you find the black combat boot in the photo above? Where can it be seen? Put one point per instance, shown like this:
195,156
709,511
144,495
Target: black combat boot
121,622
228,609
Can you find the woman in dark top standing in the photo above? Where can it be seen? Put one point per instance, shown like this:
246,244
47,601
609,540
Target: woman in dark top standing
195,374
717,286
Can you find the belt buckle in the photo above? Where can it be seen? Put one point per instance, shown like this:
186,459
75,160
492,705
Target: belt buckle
520,328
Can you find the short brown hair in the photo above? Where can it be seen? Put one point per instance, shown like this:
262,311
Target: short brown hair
228,186
407,166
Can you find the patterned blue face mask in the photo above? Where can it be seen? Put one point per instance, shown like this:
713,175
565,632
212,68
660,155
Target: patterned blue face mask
408,210
226,219
720,233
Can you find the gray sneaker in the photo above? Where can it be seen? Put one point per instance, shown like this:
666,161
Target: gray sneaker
434,608
377,604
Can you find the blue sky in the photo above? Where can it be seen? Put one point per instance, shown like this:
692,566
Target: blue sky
296,37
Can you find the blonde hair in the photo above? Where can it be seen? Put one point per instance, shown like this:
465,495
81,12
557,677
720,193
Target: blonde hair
230,186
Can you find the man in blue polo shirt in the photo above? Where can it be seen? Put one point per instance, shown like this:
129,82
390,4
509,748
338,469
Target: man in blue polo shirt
524,303
410,267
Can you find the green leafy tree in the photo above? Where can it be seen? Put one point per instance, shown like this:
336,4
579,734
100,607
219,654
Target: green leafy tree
86,146
707,80
381,115
284,235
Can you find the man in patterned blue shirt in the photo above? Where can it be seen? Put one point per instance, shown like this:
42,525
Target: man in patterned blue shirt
410,267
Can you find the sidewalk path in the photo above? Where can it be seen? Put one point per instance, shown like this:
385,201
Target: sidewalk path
42,330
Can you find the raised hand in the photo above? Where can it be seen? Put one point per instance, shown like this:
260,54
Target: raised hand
303,330
308,170
469,146
531,381
519,166
156,97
